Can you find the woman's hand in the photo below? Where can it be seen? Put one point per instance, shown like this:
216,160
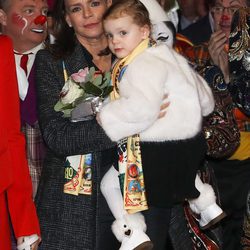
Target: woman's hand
218,53
164,105
98,119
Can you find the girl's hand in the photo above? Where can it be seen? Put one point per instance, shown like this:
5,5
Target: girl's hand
164,106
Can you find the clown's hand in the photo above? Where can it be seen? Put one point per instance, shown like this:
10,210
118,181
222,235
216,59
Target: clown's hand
28,242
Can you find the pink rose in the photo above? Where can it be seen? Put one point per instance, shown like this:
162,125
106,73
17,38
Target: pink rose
80,75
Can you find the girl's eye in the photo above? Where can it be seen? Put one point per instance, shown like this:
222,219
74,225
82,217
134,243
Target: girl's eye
95,3
123,33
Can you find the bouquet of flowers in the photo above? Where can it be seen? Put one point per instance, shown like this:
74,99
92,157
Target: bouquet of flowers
83,93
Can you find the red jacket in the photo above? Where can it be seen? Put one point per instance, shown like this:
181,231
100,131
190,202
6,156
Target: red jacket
15,181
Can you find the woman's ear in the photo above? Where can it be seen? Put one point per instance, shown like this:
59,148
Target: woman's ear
68,20
109,3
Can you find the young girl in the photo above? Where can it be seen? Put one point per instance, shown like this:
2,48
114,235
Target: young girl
170,149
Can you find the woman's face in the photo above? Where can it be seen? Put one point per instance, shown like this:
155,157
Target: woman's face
85,17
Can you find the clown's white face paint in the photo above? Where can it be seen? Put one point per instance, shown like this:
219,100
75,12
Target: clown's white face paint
162,34
20,26
22,20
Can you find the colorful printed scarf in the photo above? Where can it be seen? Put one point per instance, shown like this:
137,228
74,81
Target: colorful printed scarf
77,169
130,163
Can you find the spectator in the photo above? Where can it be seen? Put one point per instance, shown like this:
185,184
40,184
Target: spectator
233,172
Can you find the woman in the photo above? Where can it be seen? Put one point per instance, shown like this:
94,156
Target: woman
70,221
15,183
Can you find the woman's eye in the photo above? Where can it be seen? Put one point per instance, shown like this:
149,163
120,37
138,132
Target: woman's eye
123,33
95,3
108,35
74,9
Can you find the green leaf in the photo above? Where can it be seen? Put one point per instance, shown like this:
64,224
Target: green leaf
91,75
90,88
67,112
68,106
106,79
80,99
106,83
107,91
92,71
107,75
65,108
59,105
81,84
98,80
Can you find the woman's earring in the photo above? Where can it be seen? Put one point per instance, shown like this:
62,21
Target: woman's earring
70,25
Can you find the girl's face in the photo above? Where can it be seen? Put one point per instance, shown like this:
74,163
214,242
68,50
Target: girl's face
85,17
124,35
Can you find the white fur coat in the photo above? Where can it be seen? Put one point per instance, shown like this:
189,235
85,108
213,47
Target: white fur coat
155,72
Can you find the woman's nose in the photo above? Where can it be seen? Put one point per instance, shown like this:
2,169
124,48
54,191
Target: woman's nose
41,19
87,12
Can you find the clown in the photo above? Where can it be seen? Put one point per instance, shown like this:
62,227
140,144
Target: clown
24,22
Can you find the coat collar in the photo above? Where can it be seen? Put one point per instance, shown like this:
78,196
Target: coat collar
76,60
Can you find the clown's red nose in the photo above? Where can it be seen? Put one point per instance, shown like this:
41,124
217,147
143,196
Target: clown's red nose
225,18
40,19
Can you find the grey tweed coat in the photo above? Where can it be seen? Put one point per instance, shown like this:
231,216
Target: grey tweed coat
70,222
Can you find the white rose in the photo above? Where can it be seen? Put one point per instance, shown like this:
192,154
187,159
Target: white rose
70,92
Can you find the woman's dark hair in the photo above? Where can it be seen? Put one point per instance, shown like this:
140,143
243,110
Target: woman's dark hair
65,39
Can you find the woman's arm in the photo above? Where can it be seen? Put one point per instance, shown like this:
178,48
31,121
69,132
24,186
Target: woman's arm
60,134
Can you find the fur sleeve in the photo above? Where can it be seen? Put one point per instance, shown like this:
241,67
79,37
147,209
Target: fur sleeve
141,92
205,96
